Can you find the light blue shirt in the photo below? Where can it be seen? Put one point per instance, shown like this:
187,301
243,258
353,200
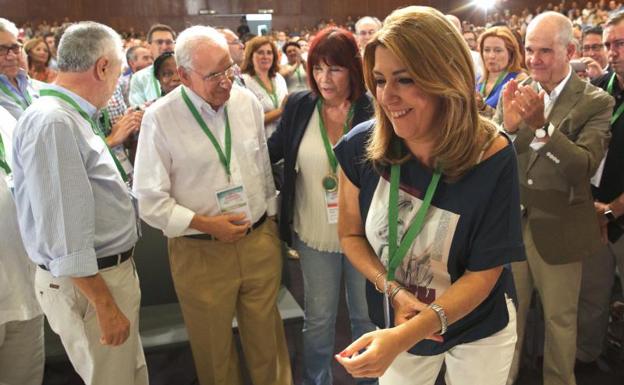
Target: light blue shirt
71,202
143,88
24,85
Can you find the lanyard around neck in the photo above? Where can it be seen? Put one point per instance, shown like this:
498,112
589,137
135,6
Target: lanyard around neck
398,251
224,157
617,113
3,162
499,80
9,93
96,129
272,95
331,157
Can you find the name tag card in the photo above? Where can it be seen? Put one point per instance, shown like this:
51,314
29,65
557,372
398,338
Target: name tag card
233,199
331,206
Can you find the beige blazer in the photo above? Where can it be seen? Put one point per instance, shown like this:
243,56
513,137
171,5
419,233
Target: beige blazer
555,180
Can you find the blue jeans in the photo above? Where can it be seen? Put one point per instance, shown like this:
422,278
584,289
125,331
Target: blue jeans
322,274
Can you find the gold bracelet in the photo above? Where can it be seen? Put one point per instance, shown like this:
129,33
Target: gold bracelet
394,292
380,274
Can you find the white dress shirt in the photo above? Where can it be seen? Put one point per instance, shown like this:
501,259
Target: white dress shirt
178,171
17,273
280,89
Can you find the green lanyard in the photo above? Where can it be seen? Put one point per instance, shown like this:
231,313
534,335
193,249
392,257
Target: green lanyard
10,94
272,95
226,157
96,129
618,112
498,82
3,162
106,120
156,86
333,163
398,252
298,73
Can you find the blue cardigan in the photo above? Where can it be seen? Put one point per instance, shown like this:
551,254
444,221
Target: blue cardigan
285,141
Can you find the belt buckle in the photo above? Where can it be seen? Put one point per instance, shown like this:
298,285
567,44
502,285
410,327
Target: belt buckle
119,256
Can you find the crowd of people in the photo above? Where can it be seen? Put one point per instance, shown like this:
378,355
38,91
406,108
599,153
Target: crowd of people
442,172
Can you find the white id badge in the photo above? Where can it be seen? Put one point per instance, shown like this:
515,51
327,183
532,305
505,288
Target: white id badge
122,157
233,199
331,206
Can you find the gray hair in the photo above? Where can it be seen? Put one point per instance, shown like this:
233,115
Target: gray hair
368,20
8,26
563,25
84,43
191,38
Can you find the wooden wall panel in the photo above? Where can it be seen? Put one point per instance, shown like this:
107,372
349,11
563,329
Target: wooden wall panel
140,14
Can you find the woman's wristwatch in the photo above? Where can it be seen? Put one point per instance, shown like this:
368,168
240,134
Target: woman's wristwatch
442,316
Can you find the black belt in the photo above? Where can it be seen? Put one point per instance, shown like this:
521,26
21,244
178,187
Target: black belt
208,237
110,261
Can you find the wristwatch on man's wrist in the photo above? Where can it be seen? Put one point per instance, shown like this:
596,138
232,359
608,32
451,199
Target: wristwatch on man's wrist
541,133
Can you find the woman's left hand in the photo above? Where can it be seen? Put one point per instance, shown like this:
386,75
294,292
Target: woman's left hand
380,348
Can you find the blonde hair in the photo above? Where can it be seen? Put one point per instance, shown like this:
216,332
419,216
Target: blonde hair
439,63
511,44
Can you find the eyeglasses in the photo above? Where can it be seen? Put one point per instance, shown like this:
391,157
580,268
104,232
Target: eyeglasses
15,48
235,42
593,47
217,77
163,41
367,32
616,44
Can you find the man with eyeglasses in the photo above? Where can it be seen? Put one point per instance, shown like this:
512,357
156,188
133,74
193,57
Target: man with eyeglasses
593,48
608,193
365,28
17,90
143,85
203,176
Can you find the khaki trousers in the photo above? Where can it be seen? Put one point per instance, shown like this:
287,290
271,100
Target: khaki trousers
72,317
21,352
558,287
596,286
216,281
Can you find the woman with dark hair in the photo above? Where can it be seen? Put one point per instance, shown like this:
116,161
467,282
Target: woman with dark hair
294,72
166,72
313,121
39,56
261,76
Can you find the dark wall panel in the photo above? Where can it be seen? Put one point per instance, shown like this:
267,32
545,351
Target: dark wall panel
123,14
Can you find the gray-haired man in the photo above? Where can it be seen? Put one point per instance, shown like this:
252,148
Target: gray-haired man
76,215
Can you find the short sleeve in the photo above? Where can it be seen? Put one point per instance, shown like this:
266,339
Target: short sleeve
350,152
497,236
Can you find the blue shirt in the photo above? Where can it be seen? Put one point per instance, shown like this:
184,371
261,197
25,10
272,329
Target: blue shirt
494,95
72,204
143,87
473,224
25,85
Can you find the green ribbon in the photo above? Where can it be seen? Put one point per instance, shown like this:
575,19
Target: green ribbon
3,163
499,79
226,157
96,129
19,102
298,73
272,95
617,113
331,157
398,251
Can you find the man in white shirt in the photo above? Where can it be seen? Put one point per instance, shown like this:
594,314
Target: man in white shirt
365,28
143,84
560,126
203,176
21,319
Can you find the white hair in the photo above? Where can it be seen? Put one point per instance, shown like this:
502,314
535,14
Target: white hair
563,25
8,26
82,44
367,20
191,38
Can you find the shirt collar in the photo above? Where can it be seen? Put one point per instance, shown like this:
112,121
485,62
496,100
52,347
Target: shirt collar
554,94
89,108
22,80
202,105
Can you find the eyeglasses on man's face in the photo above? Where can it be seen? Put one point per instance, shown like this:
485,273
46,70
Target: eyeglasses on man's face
5,49
593,47
217,77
